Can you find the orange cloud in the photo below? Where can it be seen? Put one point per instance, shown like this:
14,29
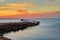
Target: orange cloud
13,9
18,11
17,6
54,14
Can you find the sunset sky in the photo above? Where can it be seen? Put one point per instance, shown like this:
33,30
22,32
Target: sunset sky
29,8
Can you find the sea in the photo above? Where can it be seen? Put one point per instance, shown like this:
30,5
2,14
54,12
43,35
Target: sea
48,29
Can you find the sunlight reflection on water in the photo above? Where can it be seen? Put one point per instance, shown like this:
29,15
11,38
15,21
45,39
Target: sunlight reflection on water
44,31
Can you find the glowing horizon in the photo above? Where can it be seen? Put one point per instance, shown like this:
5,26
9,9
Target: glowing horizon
36,8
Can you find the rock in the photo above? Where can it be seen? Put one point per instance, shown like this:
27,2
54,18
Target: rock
7,27
3,38
15,26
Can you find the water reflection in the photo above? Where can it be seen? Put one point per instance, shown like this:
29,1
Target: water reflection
45,31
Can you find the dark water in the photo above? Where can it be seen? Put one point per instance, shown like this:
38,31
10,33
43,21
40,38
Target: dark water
47,30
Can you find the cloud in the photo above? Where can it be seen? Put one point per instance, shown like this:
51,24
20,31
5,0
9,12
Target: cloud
53,14
35,2
30,7
17,9
53,2
19,5
2,0
15,5
13,9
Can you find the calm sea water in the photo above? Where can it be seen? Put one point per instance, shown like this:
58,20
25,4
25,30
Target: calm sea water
47,30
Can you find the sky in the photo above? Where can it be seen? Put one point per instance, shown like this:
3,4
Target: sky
29,8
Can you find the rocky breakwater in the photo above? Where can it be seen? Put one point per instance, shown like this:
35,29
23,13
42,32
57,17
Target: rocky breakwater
3,38
15,26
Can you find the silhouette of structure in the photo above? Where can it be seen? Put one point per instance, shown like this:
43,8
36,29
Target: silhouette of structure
15,26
